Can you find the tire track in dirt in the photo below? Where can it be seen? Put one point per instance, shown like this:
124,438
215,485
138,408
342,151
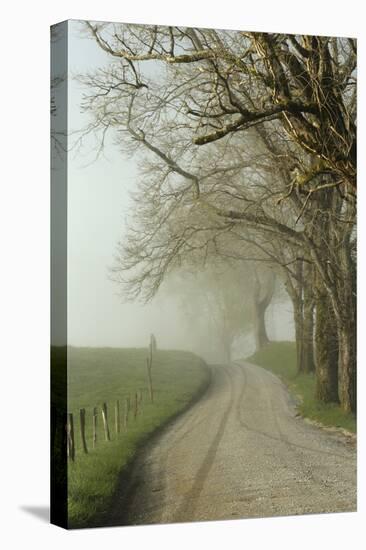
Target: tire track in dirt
240,452
191,499
282,437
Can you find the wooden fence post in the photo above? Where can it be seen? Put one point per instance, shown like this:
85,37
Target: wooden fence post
141,409
82,430
153,343
95,414
116,417
105,422
151,352
127,410
70,437
136,406
149,378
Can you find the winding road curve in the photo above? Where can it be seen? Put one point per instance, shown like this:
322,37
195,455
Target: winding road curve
241,452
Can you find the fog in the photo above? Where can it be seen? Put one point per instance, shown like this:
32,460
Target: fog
99,203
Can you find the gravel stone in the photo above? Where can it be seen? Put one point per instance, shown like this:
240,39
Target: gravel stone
241,452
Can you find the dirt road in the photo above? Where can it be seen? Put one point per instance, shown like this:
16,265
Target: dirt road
241,452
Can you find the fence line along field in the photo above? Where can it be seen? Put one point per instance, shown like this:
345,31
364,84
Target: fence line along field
132,408
116,398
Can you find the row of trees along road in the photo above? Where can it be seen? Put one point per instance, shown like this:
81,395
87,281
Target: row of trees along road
223,305
247,148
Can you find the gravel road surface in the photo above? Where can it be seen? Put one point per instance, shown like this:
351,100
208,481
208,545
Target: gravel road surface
241,452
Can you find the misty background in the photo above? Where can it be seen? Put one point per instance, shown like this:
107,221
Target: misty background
99,204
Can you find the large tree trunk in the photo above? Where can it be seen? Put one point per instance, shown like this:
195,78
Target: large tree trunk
347,333
307,360
341,305
339,281
347,367
299,288
330,243
260,331
326,348
304,335
299,332
263,293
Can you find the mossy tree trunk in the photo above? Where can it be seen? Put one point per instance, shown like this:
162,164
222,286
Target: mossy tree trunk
299,332
326,348
307,360
332,247
299,287
263,294
260,331
347,334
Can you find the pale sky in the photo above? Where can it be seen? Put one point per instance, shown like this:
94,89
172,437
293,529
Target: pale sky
98,202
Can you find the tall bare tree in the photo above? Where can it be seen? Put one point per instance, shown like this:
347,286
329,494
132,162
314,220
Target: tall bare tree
239,130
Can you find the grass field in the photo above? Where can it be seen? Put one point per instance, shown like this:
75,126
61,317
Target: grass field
280,358
105,375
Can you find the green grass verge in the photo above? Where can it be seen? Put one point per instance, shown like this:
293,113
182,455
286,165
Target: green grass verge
105,375
280,358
